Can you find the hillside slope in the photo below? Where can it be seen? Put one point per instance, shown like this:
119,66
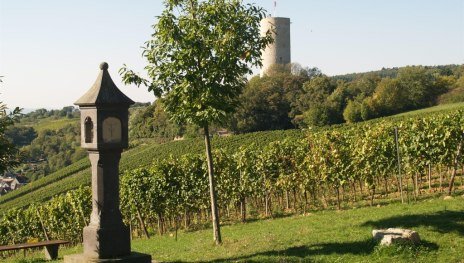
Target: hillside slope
144,155
310,238
78,173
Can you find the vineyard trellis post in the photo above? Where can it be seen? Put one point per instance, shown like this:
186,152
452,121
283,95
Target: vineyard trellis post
455,164
430,176
399,164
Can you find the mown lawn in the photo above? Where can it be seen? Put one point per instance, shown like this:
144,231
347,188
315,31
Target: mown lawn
323,236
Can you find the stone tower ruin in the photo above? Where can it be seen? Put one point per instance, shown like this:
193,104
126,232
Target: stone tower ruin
279,51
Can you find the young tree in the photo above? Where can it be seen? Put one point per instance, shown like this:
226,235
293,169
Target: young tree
9,155
197,61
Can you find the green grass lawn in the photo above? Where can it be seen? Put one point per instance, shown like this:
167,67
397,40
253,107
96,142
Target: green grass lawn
323,236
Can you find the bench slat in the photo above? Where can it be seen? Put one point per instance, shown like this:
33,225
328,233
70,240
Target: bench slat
31,245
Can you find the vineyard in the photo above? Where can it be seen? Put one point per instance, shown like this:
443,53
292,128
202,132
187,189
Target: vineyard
143,155
164,187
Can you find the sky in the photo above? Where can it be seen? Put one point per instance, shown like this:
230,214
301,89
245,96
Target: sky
50,50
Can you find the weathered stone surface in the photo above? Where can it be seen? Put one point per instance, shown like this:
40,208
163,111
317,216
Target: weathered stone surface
106,236
396,236
104,92
104,125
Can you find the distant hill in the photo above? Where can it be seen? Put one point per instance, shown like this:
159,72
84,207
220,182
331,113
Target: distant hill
393,72
144,154
49,140
28,110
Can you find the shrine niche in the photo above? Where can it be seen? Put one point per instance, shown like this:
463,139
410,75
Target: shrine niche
88,127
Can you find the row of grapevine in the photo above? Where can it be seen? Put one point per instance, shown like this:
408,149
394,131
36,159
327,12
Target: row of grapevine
358,161
144,155
63,217
329,167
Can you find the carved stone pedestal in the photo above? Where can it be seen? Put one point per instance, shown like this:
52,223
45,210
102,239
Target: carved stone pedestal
104,126
106,242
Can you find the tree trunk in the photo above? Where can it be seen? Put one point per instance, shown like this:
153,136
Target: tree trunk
212,189
455,165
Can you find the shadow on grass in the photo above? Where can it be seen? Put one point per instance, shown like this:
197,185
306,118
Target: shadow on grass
275,215
442,221
31,261
299,253
208,225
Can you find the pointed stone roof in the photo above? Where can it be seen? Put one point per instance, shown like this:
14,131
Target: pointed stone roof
104,92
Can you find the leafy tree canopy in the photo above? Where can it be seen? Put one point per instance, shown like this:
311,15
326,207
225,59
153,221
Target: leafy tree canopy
199,55
9,155
20,136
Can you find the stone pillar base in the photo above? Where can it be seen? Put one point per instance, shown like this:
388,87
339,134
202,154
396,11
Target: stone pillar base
108,242
134,257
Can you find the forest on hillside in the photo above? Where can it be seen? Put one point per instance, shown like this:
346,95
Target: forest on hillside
48,140
288,97
296,97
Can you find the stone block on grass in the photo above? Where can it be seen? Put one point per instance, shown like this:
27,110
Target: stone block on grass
396,236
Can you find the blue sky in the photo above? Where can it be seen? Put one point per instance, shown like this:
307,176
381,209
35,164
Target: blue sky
50,50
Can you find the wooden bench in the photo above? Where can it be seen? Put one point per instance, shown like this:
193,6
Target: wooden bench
51,247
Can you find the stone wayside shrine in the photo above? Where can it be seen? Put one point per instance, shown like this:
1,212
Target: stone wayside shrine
104,129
